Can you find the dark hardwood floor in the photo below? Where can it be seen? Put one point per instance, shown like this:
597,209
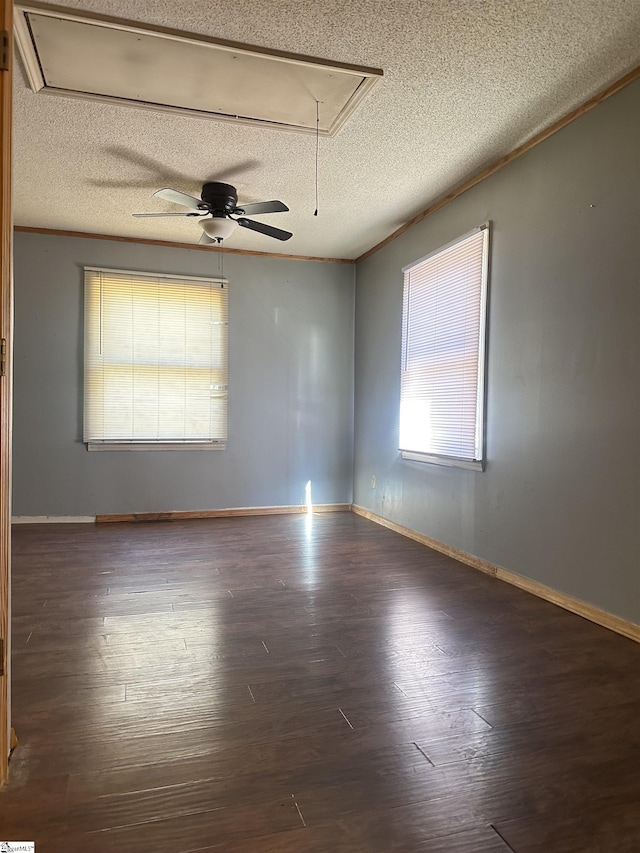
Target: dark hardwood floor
274,684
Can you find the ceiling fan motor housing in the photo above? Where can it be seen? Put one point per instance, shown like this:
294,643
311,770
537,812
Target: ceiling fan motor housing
217,207
220,197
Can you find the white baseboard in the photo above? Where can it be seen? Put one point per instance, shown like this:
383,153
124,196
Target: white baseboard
53,519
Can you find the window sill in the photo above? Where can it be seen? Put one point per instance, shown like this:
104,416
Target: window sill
102,446
447,461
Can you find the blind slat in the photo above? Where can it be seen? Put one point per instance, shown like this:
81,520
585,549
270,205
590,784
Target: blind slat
155,358
443,345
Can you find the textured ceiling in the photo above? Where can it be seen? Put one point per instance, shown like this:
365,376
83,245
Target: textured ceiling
464,83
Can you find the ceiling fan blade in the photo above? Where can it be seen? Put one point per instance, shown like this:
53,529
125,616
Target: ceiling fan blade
263,207
206,240
180,198
166,214
269,230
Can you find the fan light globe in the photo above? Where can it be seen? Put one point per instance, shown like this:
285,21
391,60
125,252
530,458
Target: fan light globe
218,228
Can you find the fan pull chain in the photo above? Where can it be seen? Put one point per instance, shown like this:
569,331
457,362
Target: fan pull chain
315,213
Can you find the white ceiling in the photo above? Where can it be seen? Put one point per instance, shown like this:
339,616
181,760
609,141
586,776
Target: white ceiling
465,82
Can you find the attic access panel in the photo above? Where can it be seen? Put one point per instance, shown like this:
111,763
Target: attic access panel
75,54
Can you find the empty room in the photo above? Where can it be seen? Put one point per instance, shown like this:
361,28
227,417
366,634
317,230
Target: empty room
318,416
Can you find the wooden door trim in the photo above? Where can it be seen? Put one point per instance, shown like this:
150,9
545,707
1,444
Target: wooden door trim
6,326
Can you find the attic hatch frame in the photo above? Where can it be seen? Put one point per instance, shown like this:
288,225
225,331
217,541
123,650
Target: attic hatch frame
26,42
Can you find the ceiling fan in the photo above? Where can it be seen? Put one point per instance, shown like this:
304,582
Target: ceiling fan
219,213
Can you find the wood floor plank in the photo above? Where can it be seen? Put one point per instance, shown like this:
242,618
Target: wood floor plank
261,684
589,734
170,835
379,836
594,831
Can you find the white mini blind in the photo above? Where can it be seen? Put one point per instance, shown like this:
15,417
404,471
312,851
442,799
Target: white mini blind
155,359
443,352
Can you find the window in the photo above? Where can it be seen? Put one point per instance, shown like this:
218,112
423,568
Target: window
443,354
155,361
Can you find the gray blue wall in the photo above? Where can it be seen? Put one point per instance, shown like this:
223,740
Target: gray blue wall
290,398
560,499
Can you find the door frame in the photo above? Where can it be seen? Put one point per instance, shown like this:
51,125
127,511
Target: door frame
6,333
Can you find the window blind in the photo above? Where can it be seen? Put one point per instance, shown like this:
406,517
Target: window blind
155,358
443,351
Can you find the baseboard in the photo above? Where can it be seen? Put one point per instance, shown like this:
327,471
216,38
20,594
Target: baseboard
461,556
567,602
53,519
185,515
575,605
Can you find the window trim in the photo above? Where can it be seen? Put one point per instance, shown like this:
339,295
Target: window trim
478,463
445,461
207,279
106,445
103,446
